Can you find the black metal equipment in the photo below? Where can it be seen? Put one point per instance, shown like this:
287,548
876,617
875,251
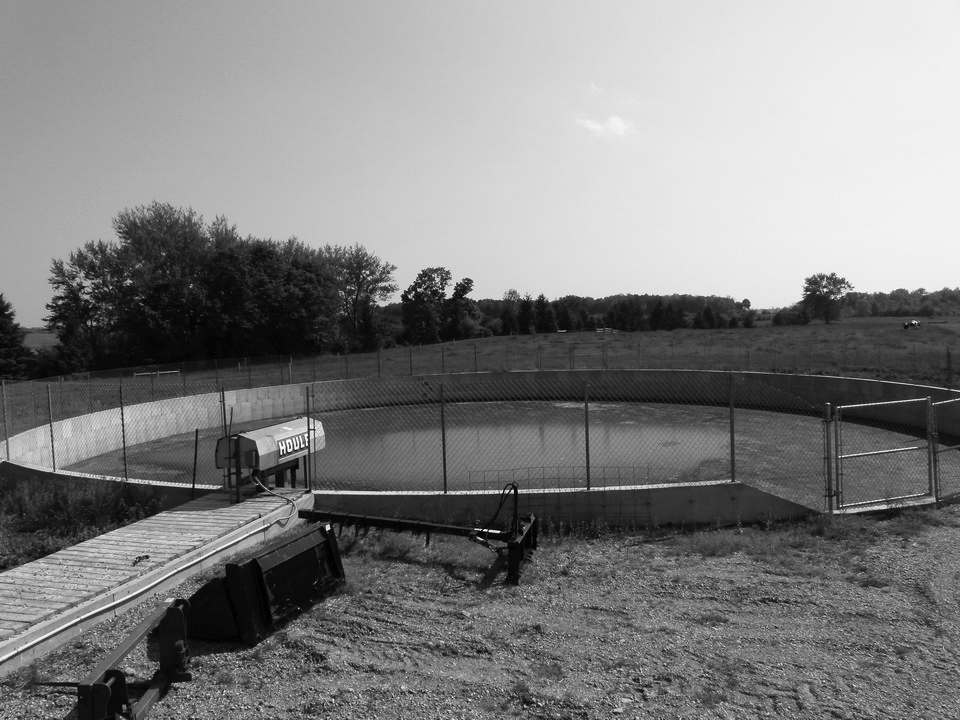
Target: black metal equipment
520,538
287,576
268,456
104,694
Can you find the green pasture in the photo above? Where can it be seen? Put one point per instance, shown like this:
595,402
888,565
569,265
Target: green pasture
877,348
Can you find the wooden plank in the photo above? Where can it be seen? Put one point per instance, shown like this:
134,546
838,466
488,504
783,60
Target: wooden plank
75,568
37,600
83,562
121,550
135,545
53,582
8,615
13,591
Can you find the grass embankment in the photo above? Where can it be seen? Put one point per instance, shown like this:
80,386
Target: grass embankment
37,521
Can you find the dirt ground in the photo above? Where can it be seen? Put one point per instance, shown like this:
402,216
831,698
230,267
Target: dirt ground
843,618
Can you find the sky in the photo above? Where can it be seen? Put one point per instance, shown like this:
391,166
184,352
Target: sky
706,147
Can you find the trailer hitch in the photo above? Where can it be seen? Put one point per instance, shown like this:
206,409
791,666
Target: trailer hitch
105,693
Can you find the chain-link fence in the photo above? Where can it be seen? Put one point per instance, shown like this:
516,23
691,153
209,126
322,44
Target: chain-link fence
467,431
562,431
464,432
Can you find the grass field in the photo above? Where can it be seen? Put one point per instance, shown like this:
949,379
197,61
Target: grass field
876,348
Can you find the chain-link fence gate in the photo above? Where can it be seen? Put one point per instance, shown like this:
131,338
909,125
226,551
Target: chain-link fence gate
946,415
884,453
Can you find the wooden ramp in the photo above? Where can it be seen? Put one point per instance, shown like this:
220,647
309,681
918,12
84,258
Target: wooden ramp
46,602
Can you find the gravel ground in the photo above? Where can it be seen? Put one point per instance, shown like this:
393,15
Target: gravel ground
849,618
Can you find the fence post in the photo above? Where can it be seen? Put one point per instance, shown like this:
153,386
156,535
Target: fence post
828,490
379,365
123,434
586,428
932,451
53,449
733,433
307,480
443,439
313,460
411,360
196,446
6,435
475,367
949,368
837,453
443,361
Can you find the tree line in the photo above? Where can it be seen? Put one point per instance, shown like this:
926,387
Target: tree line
172,288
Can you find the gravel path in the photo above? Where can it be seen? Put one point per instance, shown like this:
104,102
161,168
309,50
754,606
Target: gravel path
854,618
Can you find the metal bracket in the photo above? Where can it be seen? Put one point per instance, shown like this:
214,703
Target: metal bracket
104,693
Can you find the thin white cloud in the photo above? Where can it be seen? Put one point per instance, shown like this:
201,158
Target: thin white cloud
614,126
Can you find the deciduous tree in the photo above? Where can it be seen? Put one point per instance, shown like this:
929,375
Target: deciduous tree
14,354
422,305
362,281
823,294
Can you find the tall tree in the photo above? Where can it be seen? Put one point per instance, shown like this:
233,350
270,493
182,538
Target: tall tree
526,315
164,250
823,294
90,290
508,312
422,305
362,281
546,318
14,354
172,289
461,314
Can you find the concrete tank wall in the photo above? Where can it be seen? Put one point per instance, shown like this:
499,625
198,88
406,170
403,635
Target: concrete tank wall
87,436
79,438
